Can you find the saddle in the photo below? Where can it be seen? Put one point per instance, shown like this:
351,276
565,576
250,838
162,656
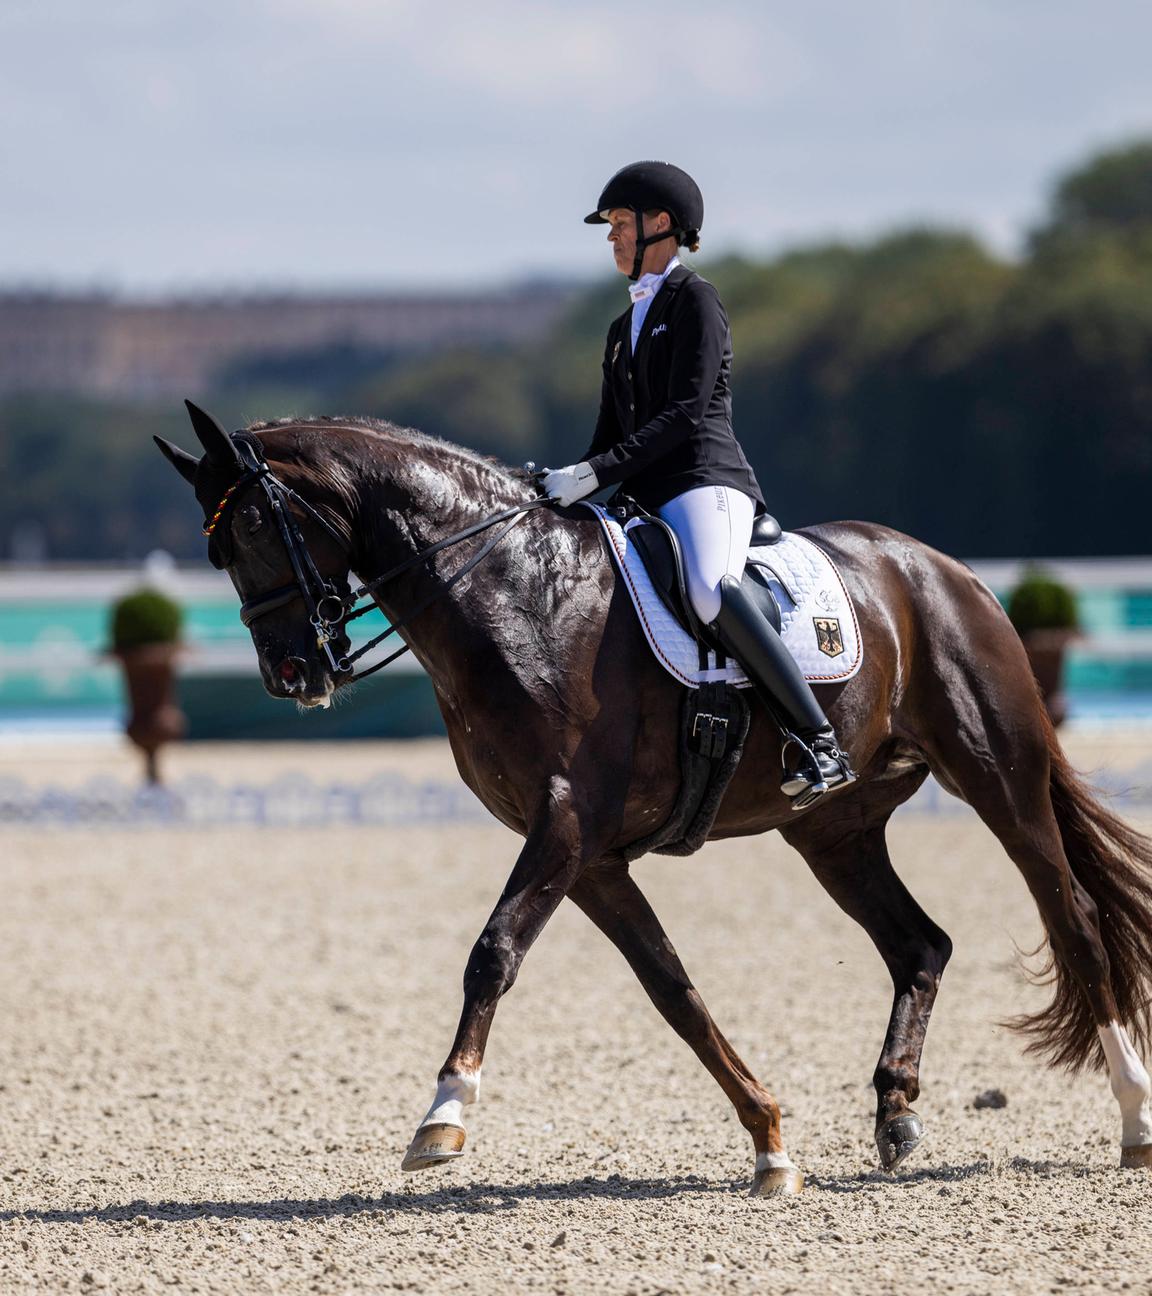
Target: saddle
663,558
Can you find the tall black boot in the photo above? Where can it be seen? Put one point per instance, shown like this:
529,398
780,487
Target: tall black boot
810,743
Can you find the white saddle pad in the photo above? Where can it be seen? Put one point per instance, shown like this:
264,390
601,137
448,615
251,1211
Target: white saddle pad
817,620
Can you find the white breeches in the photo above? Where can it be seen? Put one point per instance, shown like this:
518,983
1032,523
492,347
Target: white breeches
714,526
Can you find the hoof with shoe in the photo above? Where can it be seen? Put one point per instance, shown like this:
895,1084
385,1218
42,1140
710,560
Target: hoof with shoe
777,1181
897,1138
434,1145
1136,1158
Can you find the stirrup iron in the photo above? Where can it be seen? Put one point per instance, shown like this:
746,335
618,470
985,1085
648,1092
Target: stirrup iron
815,777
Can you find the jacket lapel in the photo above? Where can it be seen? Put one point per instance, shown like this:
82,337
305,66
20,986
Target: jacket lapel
659,307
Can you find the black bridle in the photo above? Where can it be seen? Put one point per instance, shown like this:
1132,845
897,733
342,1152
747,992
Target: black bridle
329,607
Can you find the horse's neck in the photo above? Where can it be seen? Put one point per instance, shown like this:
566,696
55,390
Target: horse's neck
427,497
423,499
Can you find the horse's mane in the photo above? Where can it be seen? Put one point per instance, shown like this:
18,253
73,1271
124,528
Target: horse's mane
321,422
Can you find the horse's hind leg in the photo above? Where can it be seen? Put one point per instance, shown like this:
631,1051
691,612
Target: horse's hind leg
845,848
1089,873
609,896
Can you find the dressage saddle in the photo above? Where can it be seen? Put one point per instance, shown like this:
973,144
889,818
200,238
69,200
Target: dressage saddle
660,551
748,627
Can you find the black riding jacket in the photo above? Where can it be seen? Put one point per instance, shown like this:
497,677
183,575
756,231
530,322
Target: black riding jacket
665,421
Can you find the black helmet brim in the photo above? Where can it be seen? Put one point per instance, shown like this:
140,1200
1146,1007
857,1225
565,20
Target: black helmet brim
652,186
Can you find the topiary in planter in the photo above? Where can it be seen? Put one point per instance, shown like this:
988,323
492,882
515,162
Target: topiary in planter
1044,614
1040,602
145,617
146,629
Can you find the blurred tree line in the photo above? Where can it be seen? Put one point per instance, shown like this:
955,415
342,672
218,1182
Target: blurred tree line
990,407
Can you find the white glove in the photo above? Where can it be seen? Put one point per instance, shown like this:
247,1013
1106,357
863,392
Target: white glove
567,485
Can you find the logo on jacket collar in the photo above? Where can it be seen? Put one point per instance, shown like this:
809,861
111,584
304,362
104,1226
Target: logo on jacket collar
616,351
660,328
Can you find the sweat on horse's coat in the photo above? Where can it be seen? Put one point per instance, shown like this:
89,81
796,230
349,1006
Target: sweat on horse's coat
562,724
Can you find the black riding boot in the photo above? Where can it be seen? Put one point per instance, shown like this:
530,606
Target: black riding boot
820,765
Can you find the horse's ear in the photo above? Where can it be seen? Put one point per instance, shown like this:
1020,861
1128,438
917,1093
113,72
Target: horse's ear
216,442
184,463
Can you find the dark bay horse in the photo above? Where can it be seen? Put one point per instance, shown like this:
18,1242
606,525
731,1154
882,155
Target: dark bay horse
566,728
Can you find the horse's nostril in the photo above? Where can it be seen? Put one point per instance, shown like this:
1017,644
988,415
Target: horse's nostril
289,671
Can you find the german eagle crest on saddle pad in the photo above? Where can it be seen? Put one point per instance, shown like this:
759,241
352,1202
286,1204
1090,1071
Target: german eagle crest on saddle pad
828,637
816,618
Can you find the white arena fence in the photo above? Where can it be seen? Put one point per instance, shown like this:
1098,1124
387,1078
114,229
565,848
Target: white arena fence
292,801
298,801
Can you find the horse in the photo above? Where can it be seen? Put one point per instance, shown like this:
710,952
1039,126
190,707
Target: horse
563,724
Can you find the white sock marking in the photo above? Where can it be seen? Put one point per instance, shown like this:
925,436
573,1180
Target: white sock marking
1130,1085
774,1161
453,1094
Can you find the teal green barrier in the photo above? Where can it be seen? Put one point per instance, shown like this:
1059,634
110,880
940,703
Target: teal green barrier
222,707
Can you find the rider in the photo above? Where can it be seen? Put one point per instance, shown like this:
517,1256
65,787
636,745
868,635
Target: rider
665,428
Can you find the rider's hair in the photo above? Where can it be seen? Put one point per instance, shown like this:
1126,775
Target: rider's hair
689,239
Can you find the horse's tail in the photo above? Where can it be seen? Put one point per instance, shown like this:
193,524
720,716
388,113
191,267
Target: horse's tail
1112,862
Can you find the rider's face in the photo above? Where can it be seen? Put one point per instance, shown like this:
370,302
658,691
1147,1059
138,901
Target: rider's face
622,236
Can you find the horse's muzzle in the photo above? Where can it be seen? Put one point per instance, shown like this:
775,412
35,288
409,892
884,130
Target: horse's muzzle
298,680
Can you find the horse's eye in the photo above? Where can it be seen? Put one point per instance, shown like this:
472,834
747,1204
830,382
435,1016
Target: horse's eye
251,518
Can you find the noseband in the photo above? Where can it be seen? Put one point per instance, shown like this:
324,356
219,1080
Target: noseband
330,610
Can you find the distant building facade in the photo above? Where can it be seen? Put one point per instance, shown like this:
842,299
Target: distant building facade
131,350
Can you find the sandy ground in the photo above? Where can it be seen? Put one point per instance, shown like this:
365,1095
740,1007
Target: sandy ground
216,1048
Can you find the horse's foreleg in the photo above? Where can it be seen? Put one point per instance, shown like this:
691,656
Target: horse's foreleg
553,855
613,901
855,870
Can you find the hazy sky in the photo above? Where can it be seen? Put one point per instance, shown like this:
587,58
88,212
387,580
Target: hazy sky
375,143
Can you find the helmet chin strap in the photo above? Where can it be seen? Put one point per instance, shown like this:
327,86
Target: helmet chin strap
642,243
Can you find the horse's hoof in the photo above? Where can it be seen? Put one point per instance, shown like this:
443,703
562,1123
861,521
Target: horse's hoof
777,1181
433,1146
1136,1158
898,1137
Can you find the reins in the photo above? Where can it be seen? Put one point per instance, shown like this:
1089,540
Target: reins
322,597
514,515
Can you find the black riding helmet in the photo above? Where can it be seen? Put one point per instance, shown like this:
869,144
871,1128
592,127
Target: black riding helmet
653,186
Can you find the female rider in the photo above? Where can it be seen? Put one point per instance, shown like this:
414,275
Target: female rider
665,428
